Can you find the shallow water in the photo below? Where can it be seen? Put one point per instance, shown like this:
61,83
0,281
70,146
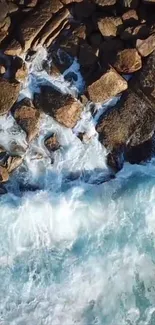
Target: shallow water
74,250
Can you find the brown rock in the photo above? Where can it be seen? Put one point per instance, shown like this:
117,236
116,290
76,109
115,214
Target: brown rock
22,73
32,3
4,175
6,24
148,1
13,163
147,46
31,26
145,79
55,23
3,10
104,3
62,107
128,61
52,143
130,17
110,84
66,2
2,69
27,117
12,7
126,122
8,94
110,26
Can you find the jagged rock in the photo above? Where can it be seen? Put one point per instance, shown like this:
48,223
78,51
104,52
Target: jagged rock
27,116
130,18
13,162
128,61
108,85
110,26
70,45
54,25
31,26
130,123
32,3
62,107
4,175
8,94
52,143
147,46
6,25
133,4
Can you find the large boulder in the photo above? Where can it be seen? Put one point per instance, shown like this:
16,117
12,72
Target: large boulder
64,108
9,92
107,86
32,25
27,117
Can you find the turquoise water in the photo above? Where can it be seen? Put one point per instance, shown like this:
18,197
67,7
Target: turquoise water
85,255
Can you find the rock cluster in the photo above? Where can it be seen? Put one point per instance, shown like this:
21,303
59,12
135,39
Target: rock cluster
109,38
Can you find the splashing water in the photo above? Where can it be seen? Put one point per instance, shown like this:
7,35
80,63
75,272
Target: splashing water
74,250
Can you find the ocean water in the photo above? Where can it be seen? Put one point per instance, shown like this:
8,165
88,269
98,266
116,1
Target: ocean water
75,250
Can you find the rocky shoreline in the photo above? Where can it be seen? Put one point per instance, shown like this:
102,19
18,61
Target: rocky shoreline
112,40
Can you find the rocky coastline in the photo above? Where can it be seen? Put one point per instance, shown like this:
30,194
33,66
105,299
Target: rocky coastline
114,44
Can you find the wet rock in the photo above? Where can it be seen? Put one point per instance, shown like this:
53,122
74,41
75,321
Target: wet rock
115,159
130,18
62,107
108,85
70,45
140,153
52,143
130,123
27,117
4,175
18,69
16,149
31,26
147,46
8,94
110,26
128,61
13,162
6,25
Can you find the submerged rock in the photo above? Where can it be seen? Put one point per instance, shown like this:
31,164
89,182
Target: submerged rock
64,108
27,116
9,92
52,143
